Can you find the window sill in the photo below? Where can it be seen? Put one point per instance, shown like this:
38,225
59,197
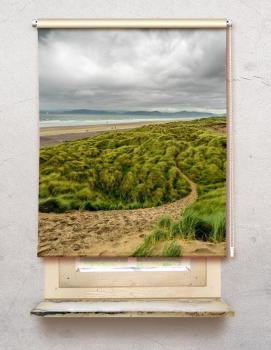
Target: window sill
211,307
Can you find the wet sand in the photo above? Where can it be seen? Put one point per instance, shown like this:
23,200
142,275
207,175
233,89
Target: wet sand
50,136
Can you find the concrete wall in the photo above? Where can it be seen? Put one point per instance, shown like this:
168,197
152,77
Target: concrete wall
246,279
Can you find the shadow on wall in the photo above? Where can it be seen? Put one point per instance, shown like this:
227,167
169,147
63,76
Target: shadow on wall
133,333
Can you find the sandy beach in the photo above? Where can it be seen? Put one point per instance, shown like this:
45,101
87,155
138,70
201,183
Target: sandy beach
50,136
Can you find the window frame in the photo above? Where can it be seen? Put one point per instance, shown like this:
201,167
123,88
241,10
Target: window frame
210,289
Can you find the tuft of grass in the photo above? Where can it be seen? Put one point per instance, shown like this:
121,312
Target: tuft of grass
206,218
164,222
175,229
146,248
159,235
172,249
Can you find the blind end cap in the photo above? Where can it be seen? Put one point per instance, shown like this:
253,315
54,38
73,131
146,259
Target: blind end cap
35,23
229,22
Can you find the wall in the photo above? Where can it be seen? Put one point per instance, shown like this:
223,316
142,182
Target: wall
246,279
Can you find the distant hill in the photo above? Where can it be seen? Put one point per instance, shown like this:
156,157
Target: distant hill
184,114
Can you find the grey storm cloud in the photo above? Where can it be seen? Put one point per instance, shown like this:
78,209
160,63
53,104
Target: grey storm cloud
165,70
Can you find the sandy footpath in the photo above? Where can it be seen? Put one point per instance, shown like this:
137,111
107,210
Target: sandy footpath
54,135
114,233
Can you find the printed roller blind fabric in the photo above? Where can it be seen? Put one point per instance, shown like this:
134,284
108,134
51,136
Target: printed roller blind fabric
133,141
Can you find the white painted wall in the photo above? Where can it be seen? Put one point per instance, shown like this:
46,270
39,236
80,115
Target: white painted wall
246,279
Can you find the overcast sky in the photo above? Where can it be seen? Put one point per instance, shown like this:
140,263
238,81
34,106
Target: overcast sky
166,70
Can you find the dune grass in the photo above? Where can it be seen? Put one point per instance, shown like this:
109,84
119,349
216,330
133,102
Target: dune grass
140,168
131,169
204,162
204,220
172,249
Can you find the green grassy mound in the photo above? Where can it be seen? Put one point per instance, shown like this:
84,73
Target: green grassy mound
204,220
204,162
137,168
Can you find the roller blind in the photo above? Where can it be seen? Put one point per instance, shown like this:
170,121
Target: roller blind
135,138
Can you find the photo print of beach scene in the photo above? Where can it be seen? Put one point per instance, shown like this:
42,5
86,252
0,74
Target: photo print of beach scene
133,142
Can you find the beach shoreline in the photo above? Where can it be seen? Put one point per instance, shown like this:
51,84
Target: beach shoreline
50,136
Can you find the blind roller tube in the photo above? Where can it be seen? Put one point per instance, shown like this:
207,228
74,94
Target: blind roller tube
130,23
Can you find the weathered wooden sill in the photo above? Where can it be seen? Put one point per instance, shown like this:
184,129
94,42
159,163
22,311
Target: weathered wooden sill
133,308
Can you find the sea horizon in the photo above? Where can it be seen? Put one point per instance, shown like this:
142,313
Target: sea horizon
57,120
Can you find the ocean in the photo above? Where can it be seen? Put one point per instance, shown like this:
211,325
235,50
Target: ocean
52,120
